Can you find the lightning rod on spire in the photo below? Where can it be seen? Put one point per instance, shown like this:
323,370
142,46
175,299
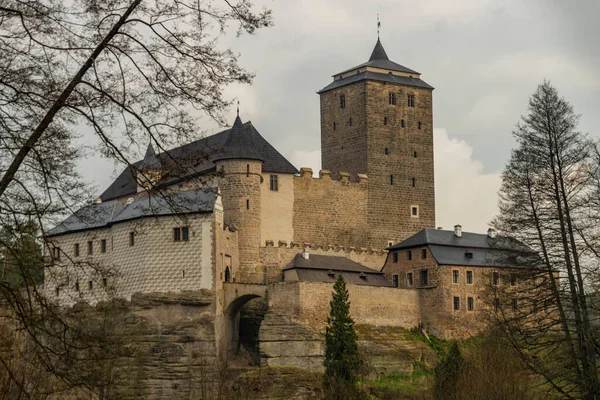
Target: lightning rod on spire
378,26
238,108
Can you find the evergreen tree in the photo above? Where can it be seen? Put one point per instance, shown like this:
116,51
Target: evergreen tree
342,360
447,374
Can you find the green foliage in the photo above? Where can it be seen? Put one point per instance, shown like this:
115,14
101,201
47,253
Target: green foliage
447,374
21,259
342,360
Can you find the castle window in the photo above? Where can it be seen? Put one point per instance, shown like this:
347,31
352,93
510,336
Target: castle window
77,286
183,273
423,253
76,249
247,169
386,151
273,184
181,234
456,303
415,154
391,179
414,211
56,251
392,98
514,305
104,282
496,304
395,257
470,304
513,279
350,121
455,276
402,124
414,182
131,239
424,277
247,204
385,120
411,100
103,246
57,291
409,278
469,277
408,255
227,274
342,101
334,126
395,280
419,124
90,248
90,285
496,279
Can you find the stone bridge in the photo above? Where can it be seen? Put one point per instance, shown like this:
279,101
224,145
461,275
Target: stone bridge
237,294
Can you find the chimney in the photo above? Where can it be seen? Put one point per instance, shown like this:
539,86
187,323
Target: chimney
439,228
491,233
305,254
457,230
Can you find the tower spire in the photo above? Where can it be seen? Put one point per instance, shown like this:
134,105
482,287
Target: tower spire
378,26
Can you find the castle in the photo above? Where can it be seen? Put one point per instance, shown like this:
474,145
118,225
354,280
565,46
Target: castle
230,216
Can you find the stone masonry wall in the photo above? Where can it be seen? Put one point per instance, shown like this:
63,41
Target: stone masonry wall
329,211
391,155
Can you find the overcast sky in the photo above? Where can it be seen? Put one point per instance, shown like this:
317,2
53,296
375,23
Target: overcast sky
484,58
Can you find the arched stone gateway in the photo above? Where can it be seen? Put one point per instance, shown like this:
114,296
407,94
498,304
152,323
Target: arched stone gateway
246,306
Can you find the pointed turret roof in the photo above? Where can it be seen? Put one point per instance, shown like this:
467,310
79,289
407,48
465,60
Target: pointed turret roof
150,160
239,144
378,68
378,52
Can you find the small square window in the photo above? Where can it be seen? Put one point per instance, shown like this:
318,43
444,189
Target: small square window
456,303
423,253
469,277
386,151
411,100
103,246
177,234
273,183
409,255
470,304
131,239
185,234
415,154
392,98
395,257
424,277
455,278
90,246
76,250
409,278
496,278
395,280
414,211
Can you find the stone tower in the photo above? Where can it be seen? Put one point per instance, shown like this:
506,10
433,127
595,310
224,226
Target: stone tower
376,118
241,167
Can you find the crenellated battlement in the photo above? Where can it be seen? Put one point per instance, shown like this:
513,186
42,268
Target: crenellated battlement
329,247
326,175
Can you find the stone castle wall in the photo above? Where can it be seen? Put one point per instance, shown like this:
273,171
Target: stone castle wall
330,211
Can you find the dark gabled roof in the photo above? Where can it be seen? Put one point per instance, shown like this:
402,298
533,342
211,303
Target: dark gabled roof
102,215
470,249
318,267
150,160
197,158
378,52
375,76
239,144
334,263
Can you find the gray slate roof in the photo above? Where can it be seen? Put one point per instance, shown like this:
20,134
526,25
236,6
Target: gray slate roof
379,59
316,269
197,158
105,214
239,145
448,249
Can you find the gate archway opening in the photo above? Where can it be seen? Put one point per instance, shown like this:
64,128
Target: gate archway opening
244,317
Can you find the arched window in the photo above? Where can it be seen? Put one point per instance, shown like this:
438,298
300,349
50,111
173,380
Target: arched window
227,275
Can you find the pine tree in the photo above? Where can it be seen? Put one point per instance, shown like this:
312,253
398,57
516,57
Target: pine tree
342,360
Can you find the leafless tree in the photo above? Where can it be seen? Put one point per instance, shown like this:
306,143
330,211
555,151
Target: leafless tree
131,72
544,205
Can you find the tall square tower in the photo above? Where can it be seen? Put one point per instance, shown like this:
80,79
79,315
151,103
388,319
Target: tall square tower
377,118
